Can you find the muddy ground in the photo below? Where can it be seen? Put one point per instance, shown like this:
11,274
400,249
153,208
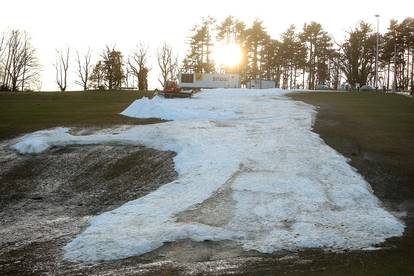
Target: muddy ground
47,199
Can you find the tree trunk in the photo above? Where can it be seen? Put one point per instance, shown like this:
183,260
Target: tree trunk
6,70
23,77
408,71
310,66
303,77
395,69
412,73
294,79
388,75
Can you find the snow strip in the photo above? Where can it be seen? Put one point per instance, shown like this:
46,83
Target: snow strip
250,170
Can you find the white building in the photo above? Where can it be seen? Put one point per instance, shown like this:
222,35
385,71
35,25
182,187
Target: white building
261,84
198,80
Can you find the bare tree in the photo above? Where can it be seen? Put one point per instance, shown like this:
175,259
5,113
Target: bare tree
62,66
2,39
2,50
138,64
2,47
168,64
6,63
84,68
20,67
129,80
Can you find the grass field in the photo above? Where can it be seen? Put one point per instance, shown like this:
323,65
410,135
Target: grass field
26,112
368,127
376,132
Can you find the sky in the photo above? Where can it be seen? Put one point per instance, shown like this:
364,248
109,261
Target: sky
79,24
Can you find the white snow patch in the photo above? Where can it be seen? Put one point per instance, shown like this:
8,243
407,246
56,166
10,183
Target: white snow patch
289,190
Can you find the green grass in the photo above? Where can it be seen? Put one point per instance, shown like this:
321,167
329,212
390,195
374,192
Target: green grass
26,112
376,124
376,131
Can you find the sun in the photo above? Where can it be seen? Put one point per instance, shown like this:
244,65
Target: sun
227,55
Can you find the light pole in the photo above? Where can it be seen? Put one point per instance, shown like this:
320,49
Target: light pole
376,54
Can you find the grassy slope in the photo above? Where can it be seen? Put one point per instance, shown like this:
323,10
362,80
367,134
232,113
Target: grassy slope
368,127
376,131
26,112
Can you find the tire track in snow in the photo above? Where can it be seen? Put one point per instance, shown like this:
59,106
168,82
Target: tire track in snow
216,210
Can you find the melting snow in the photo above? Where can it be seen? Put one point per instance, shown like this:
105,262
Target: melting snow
250,170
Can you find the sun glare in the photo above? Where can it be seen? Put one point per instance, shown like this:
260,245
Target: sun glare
227,54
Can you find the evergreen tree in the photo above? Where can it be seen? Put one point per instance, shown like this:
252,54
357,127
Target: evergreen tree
199,57
98,76
387,53
358,55
256,41
226,30
108,73
230,31
272,66
405,52
293,56
318,45
113,68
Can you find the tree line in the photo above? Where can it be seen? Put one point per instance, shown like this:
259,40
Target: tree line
20,67
306,57
113,70
299,58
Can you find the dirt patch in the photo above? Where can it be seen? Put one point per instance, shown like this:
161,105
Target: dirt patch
46,199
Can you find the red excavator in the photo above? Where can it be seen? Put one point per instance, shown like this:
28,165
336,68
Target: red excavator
172,90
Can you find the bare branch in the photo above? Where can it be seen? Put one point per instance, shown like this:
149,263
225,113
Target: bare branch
137,62
84,68
167,63
61,66
20,67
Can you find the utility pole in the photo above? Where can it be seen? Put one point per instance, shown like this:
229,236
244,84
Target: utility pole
376,54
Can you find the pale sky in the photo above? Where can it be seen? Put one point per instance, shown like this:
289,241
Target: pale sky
81,23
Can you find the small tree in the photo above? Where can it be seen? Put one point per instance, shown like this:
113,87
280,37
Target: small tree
62,66
167,63
113,68
97,77
358,54
138,64
84,68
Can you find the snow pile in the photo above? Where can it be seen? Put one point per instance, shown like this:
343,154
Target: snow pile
177,109
250,170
